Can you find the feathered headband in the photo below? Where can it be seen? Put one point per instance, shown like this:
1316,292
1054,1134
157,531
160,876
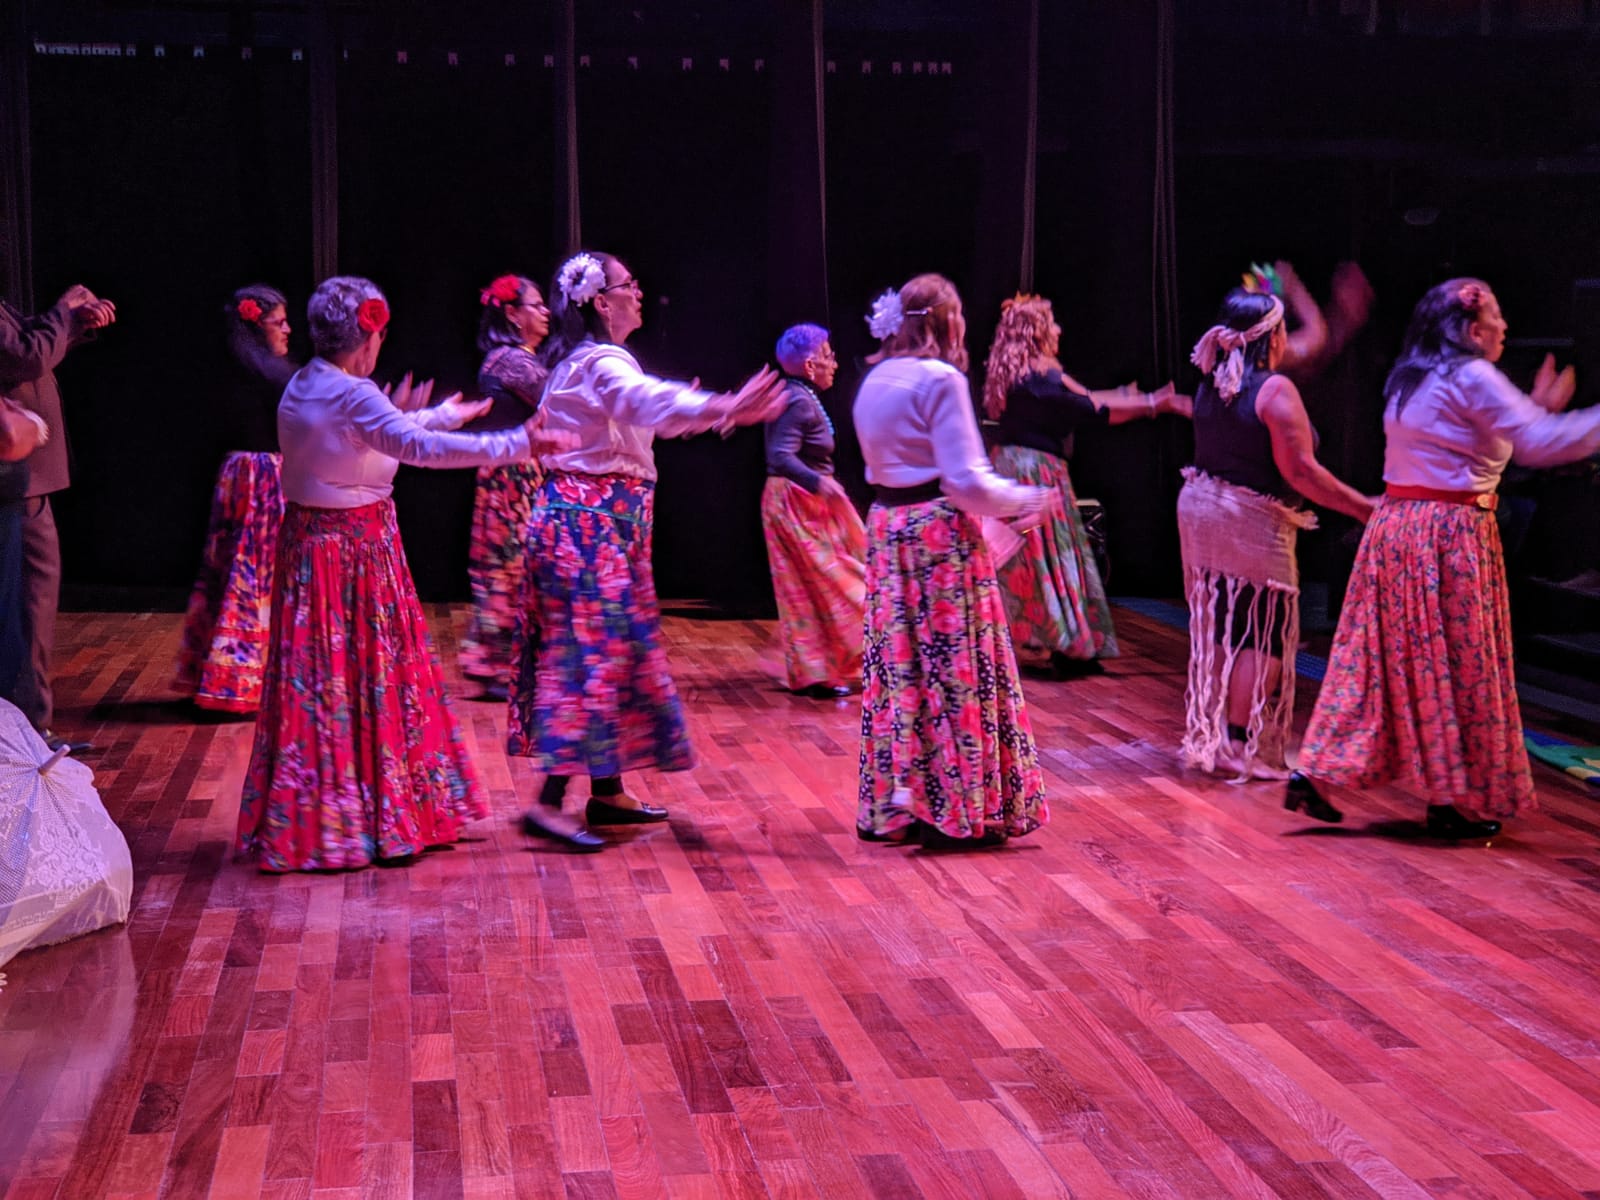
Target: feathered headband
1228,374
1262,281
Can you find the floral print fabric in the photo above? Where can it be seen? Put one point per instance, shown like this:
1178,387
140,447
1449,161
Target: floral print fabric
357,755
817,547
224,644
945,737
1419,684
1054,598
500,514
592,694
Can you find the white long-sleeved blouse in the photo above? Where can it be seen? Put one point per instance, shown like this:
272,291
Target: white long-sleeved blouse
599,393
915,421
1460,428
342,440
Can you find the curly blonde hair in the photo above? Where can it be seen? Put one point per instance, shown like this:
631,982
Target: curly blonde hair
930,303
1022,336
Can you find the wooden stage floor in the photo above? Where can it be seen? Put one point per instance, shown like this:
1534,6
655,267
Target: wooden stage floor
1176,989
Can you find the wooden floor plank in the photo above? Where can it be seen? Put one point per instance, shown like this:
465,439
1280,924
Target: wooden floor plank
1174,989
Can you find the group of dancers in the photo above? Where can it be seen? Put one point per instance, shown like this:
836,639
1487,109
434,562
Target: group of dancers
305,606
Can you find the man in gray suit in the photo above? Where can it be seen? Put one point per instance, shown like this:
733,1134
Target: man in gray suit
30,349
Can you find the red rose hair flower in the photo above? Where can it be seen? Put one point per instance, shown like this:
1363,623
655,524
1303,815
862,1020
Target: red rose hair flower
501,292
372,316
1472,296
249,310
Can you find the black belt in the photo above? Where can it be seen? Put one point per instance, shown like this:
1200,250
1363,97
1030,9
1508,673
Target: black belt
919,493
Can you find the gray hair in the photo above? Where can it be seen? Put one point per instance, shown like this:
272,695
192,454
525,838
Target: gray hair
331,313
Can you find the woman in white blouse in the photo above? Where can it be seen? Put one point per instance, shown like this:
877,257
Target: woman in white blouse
357,757
947,755
592,693
1419,684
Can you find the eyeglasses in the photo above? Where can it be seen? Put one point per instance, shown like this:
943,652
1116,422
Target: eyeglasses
536,305
630,283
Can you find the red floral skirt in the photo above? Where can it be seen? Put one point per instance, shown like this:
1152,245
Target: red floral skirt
500,513
224,646
1419,684
944,732
817,547
357,755
593,695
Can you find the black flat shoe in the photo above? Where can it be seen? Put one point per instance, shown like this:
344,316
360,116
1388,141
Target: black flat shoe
1300,793
603,812
898,837
933,838
823,691
1065,667
580,840
1445,822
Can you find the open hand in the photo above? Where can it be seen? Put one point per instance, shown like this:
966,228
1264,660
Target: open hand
759,399
1553,390
457,412
408,396
543,441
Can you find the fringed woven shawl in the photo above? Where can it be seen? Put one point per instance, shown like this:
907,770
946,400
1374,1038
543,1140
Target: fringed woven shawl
1238,550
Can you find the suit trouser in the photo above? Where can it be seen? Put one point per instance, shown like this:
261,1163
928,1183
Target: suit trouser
41,580
13,610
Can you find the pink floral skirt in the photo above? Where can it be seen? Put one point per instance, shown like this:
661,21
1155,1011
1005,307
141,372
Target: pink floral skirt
1419,684
592,694
224,646
817,547
945,737
357,755
495,558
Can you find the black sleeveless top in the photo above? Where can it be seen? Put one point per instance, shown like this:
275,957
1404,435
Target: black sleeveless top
1232,443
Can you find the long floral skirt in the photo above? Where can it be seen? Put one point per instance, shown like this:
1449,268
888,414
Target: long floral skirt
1053,594
1419,684
817,547
592,693
224,646
357,755
944,732
500,513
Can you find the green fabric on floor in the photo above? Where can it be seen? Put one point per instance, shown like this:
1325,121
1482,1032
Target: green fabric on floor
1582,761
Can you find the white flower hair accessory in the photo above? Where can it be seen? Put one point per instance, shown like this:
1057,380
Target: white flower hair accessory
581,279
886,316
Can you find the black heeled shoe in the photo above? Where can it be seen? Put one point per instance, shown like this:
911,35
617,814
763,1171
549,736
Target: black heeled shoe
1300,793
580,840
603,812
1445,822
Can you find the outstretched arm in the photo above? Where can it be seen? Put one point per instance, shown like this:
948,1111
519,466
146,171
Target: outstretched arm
1294,451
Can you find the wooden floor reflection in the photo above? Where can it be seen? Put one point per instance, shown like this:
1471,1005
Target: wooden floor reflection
1176,989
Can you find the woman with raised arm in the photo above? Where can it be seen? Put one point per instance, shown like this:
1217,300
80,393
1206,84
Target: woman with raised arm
592,693
357,756
515,322
224,645
947,755
1239,514
1055,600
1420,685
